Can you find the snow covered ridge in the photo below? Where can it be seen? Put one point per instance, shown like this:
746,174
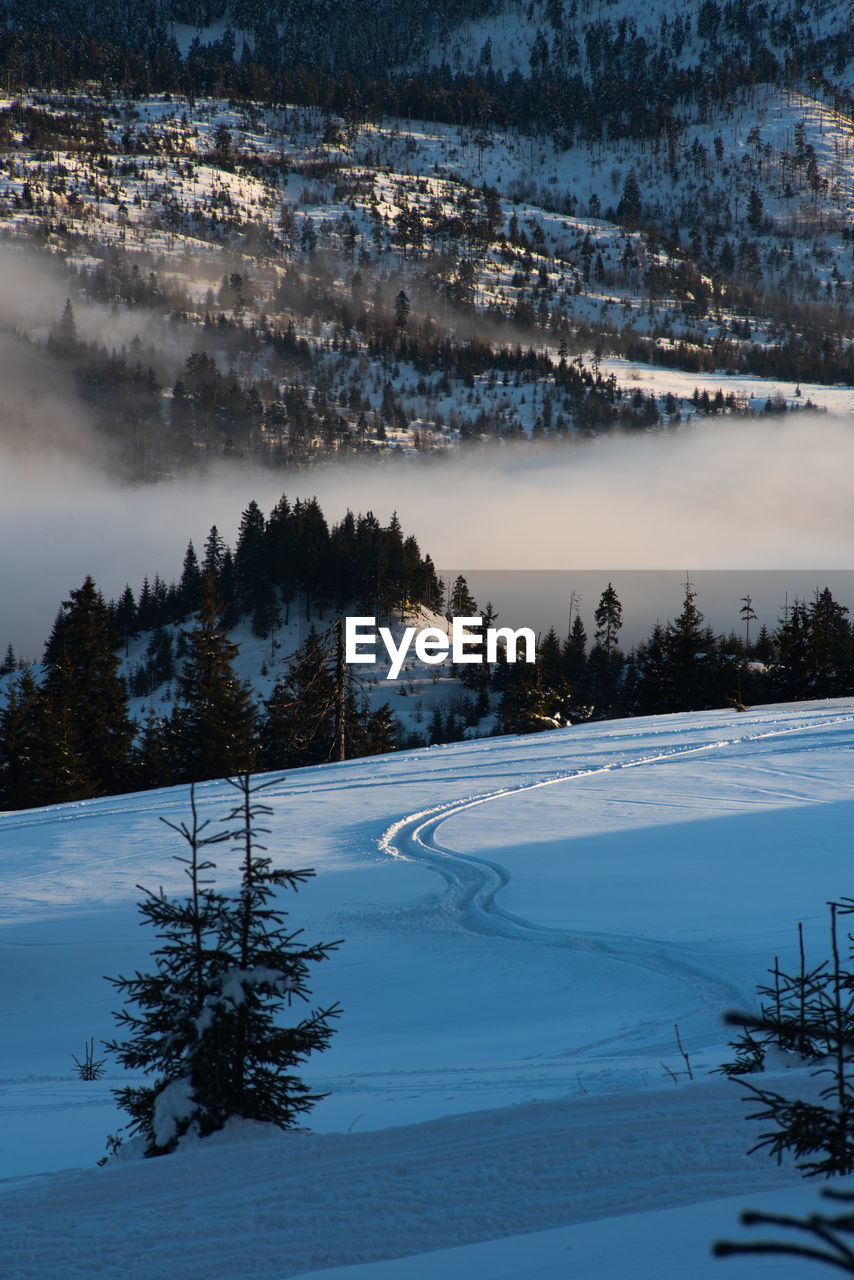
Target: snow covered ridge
433,645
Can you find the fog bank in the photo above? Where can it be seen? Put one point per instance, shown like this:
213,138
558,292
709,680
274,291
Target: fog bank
746,493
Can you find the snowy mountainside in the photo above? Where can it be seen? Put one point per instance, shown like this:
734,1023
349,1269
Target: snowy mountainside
525,920
542,281
689,30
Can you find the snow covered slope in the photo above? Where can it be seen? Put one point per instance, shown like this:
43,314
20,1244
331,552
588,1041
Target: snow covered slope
526,919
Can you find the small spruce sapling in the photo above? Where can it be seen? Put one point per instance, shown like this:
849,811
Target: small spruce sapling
90,1067
163,1009
268,969
812,1015
205,1022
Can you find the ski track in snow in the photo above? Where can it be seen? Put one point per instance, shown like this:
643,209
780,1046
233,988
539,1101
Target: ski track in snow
473,883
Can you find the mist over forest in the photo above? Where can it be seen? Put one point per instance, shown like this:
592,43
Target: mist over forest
771,502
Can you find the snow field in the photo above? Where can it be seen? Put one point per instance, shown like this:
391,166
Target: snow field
525,920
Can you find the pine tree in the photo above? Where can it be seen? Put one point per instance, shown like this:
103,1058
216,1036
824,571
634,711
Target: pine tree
10,662
763,648
152,757
748,614
830,647
124,617
298,727
690,649
18,744
609,620
401,310
214,721
267,970
81,682
575,654
251,575
64,336
163,1013
530,703
629,208
550,657
462,603
59,768
191,582
205,1023
436,727
430,588
214,552
792,643
653,686
381,733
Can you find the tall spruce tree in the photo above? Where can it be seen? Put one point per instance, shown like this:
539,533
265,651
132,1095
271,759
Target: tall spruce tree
653,691
575,653
59,769
830,647
298,726
18,744
81,683
605,663
690,650
191,582
462,603
609,620
254,589
214,720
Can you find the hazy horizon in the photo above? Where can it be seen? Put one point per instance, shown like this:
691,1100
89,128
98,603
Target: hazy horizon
606,507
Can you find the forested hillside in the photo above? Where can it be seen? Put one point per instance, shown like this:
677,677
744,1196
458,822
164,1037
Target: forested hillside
240,664
489,229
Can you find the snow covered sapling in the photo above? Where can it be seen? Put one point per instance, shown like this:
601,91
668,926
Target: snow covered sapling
163,1008
204,1022
266,970
792,1017
813,1016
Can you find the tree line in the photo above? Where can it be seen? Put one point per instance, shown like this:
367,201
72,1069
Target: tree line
226,414
681,666
584,80
69,733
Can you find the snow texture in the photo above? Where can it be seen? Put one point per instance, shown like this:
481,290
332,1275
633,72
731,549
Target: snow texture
526,921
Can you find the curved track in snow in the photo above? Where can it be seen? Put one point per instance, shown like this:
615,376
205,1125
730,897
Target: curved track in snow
473,882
